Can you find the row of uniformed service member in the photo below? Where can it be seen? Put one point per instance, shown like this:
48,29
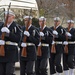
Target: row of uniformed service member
33,64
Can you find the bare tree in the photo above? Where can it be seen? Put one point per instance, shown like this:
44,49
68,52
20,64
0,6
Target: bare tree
61,8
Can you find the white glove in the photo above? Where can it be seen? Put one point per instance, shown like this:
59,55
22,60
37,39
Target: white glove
55,32
39,44
26,33
68,34
65,43
53,42
41,34
5,29
23,44
2,42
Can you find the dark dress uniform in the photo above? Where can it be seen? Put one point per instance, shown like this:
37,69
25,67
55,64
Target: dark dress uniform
55,58
68,58
1,23
42,61
27,63
7,62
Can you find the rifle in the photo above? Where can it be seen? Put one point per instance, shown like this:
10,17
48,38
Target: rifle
66,46
24,51
2,51
53,50
39,53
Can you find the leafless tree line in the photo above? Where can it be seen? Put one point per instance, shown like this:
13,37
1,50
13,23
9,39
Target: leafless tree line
62,8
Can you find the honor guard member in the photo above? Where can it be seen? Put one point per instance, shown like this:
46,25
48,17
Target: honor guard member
27,62
55,58
68,58
46,39
10,42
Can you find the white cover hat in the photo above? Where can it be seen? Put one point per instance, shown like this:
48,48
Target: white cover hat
57,18
27,17
42,18
10,12
70,21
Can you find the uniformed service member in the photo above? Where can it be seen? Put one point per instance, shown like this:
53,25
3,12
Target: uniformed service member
46,39
27,63
55,58
10,42
68,58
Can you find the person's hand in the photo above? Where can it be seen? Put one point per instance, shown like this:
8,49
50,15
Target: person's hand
55,32
2,42
26,33
65,43
5,29
68,34
53,42
41,34
23,44
39,44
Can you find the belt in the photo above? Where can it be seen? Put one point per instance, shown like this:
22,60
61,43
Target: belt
11,43
44,44
58,42
71,42
30,44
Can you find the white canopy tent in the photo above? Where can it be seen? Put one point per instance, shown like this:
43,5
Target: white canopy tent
22,4
19,5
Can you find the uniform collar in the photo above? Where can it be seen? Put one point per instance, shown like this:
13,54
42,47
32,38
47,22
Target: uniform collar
8,25
70,28
44,27
57,26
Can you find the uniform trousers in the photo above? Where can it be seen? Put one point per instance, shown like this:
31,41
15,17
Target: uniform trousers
7,68
55,63
68,61
27,67
41,66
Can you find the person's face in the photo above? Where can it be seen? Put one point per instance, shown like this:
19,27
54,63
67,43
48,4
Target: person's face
70,25
42,23
56,23
10,18
27,21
